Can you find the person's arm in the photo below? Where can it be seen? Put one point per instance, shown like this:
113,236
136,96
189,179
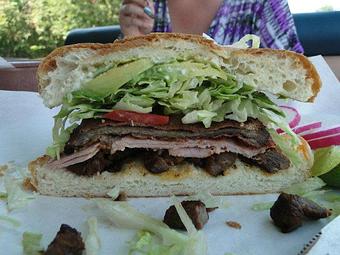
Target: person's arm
133,21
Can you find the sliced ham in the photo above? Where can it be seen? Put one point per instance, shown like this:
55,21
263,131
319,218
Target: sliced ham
183,147
76,157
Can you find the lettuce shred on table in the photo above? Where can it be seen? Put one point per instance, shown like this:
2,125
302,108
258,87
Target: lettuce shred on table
114,192
31,243
156,235
14,222
207,198
16,196
92,241
262,206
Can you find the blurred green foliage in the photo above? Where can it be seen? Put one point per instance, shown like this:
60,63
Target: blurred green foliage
33,28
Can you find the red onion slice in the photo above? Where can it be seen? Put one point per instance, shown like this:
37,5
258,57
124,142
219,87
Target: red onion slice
321,134
295,119
307,127
325,142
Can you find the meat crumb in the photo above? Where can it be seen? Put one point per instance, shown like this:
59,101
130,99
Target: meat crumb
121,197
211,209
67,241
196,210
289,211
233,224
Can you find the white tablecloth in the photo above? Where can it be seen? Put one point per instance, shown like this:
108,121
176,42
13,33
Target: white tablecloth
25,132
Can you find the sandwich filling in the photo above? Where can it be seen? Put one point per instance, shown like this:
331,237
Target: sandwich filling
105,145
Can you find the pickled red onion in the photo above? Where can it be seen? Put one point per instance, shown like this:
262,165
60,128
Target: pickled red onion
321,134
295,120
307,127
324,141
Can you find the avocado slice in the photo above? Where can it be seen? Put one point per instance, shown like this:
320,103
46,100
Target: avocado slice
110,81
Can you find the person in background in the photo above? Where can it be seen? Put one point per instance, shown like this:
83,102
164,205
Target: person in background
226,21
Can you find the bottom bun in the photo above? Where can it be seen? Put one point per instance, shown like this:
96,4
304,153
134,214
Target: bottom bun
184,179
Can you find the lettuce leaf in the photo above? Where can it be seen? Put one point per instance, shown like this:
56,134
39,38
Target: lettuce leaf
14,222
305,187
31,243
262,206
147,243
325,159
16,197
92,241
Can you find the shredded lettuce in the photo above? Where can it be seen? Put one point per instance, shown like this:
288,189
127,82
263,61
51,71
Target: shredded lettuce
147,243
31,243
114,192
262,206
14,222
3,196
125,216
309,189
67,120
288,147
209,200
92,241
243,42
305,187
16,197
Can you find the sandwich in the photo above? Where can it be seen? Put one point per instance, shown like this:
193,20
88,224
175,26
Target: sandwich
172,114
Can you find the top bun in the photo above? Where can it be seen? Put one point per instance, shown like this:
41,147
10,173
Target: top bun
278,72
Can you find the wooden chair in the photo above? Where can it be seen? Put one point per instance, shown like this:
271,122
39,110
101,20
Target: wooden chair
22,77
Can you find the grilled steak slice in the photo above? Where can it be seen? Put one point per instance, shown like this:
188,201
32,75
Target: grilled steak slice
97,164
159,161
289,211
216,164
250,133
271,160
196,210
67,241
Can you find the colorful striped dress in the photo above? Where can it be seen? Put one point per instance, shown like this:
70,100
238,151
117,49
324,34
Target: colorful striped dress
269,19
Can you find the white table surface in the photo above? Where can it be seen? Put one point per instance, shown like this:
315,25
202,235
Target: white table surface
25,132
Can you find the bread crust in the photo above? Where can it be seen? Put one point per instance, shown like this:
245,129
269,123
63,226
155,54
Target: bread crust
61,182
49,63
299,60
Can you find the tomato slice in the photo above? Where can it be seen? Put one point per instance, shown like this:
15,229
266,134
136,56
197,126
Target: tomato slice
136,117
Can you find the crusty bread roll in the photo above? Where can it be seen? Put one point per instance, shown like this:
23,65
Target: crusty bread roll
278,72
185,179
274,71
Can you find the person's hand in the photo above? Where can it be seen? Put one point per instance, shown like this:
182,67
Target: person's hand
133,21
